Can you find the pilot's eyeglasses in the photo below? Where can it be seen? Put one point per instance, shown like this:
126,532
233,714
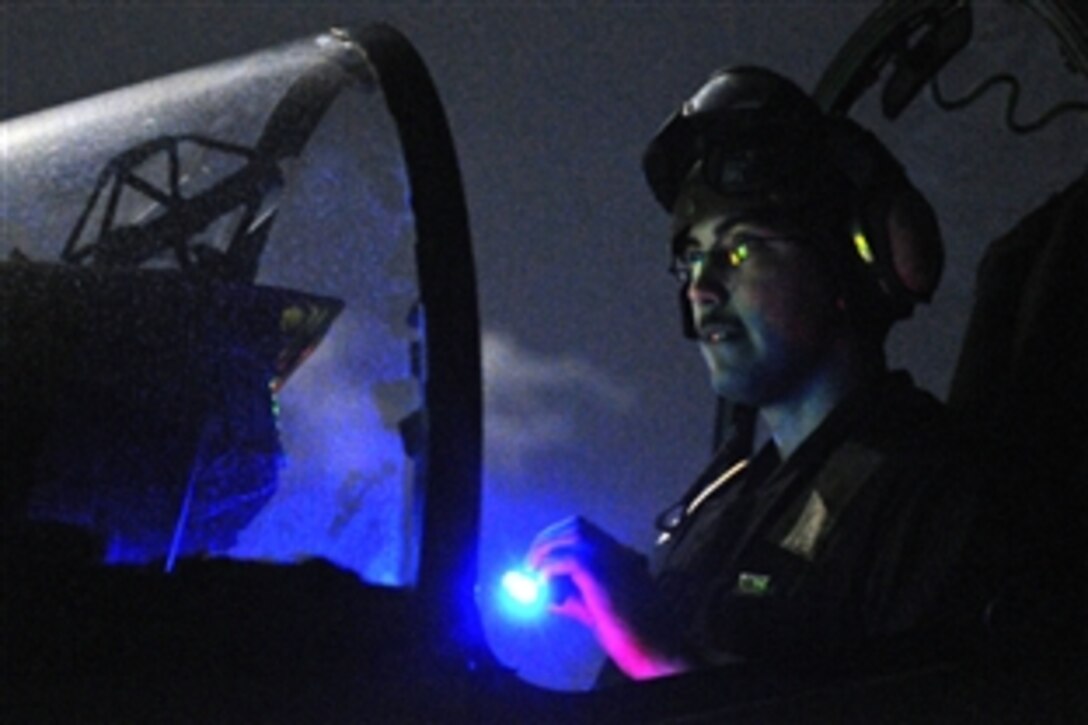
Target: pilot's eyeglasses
687,264
689,260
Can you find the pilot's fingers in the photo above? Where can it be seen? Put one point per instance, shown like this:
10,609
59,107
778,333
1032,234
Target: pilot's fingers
573,607
559,561
571,534
570,527
569,578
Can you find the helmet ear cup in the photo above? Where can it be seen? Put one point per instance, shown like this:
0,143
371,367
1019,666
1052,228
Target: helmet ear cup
897,252
914,240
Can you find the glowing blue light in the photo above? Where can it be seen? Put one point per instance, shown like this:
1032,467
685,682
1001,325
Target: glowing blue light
524,588
523,594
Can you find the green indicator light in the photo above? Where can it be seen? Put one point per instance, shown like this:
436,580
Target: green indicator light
861,244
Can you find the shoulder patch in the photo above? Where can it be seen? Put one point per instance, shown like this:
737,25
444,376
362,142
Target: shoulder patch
806,524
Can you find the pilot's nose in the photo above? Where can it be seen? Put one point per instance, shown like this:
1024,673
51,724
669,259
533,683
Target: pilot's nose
706,288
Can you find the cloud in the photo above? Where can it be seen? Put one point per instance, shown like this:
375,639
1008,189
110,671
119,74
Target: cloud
531,399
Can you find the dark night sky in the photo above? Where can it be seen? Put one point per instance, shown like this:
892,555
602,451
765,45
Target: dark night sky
595,403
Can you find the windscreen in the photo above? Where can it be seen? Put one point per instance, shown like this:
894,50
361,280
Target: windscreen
212,338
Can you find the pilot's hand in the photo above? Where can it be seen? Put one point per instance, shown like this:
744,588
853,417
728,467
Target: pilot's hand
613,595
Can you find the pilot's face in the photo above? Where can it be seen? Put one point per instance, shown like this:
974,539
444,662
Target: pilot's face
762,299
